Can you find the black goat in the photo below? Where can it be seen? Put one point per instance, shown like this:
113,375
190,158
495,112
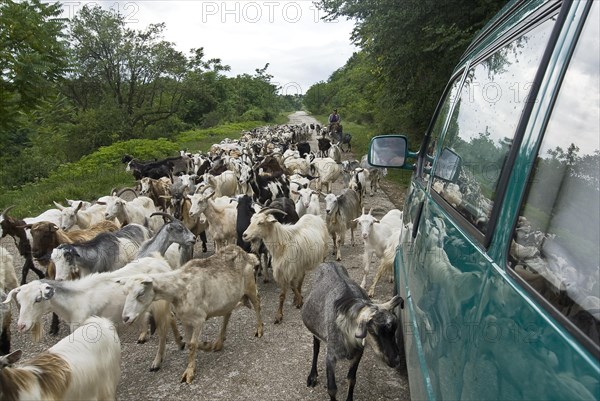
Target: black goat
340,313
324,145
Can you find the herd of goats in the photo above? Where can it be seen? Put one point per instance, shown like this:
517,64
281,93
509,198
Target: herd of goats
115,262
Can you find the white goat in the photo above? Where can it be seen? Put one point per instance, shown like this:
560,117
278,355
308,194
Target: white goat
97,294
341,211
128,212
225,184
335,153
221,217
295,249
8,281
77,216
199,290
307,202
327,171
82,366
297,165
297,182
378,236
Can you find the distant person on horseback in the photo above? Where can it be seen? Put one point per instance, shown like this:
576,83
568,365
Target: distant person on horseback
334,122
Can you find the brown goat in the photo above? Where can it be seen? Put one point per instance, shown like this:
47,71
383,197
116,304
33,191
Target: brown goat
47,236
158,190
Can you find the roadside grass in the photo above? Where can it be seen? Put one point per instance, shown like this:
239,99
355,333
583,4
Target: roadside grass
96,174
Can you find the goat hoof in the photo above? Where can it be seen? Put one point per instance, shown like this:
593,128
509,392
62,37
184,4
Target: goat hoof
141,341
182,347
155,369
278,319
338,259
311,381
266,280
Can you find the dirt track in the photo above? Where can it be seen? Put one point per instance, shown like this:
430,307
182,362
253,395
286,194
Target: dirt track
273,367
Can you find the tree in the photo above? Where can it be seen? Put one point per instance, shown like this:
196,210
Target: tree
134,74
32,60
412,47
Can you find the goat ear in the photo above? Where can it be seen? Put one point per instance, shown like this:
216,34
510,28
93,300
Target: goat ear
79,207
361,330
53,228
100,203
58,205
11,295
11,358
393,303
47,291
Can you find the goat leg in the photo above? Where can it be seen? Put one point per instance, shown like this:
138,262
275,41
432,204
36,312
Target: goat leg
330,363
30,266
178,338
204,241
352,375
54,325
312,376
279,313
190,371
252,294
383,267
218,345
367,261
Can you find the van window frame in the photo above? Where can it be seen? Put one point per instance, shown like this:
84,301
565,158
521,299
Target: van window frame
547,11
457,76
537,297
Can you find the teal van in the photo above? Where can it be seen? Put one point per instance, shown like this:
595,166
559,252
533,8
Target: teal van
499,253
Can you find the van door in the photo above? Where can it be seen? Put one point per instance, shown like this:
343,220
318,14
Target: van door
452,275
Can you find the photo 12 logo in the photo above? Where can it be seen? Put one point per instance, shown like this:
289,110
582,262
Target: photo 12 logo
261,11
128,9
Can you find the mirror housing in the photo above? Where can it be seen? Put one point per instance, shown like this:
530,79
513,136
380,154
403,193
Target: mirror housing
448,166
389,151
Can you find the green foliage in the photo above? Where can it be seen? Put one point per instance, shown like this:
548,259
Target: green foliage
122,84
92,175
32,61
408,50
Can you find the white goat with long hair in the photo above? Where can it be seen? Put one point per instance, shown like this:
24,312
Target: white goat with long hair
295,249
82,366
96,294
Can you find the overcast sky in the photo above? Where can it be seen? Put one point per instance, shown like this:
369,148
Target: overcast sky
290,35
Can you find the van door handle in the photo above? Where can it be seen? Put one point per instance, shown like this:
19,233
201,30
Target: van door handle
417,220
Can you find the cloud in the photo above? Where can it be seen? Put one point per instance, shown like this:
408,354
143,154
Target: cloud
301,48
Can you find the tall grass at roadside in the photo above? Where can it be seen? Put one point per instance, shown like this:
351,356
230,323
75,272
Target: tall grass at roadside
96,174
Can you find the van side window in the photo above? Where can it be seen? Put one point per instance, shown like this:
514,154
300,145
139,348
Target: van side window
438,126
483,124
555,246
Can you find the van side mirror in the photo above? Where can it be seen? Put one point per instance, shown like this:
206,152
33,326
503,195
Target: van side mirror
389,151
448,166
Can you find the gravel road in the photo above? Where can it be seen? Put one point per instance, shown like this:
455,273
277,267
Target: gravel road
273,367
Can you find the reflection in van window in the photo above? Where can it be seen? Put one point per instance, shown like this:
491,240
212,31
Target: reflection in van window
484,120
555,245
438,126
